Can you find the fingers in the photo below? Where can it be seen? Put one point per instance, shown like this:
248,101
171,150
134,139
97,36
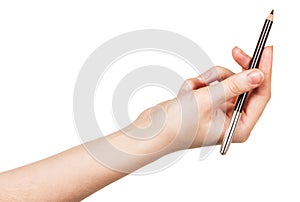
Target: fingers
216,73
265,65
190,84
241,58
213,74
233,86
236,85
259,98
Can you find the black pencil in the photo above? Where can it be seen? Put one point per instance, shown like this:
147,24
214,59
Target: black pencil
242,98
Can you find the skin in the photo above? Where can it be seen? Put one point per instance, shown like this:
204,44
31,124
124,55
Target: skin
75,174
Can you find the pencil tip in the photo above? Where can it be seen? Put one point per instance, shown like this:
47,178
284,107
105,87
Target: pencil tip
272,12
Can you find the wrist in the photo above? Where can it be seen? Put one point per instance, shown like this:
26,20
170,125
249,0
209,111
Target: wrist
129,140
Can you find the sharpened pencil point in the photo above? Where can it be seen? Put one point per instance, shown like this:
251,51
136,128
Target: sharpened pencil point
272,12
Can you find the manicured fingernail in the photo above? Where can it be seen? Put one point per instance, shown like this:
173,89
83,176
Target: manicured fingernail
255,77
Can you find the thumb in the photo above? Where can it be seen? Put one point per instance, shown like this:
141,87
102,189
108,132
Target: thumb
237,84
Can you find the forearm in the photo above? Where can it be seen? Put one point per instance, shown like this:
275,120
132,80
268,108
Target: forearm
74,174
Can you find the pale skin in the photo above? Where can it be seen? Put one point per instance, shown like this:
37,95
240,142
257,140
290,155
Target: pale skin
74,174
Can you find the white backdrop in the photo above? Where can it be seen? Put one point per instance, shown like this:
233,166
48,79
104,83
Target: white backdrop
43,46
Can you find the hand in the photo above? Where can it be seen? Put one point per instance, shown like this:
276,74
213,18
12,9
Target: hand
201,113
198,117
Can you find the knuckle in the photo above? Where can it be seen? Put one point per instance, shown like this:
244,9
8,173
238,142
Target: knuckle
188,84
234,88
219,68
269,95
222,72
187,80
243,138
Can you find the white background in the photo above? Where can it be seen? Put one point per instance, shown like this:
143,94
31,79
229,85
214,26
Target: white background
43,46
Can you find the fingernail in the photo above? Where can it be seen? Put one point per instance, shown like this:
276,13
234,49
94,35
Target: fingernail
255,77
205,75
238,48
240,52
184,89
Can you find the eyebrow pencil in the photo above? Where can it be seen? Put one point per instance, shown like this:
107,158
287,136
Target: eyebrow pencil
242,98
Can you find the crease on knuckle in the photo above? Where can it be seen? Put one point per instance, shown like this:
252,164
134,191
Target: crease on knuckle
234,88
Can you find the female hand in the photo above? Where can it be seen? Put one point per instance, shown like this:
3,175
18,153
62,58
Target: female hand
197,117
201,113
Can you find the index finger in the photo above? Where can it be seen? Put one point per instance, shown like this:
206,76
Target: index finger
265,65
259,97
